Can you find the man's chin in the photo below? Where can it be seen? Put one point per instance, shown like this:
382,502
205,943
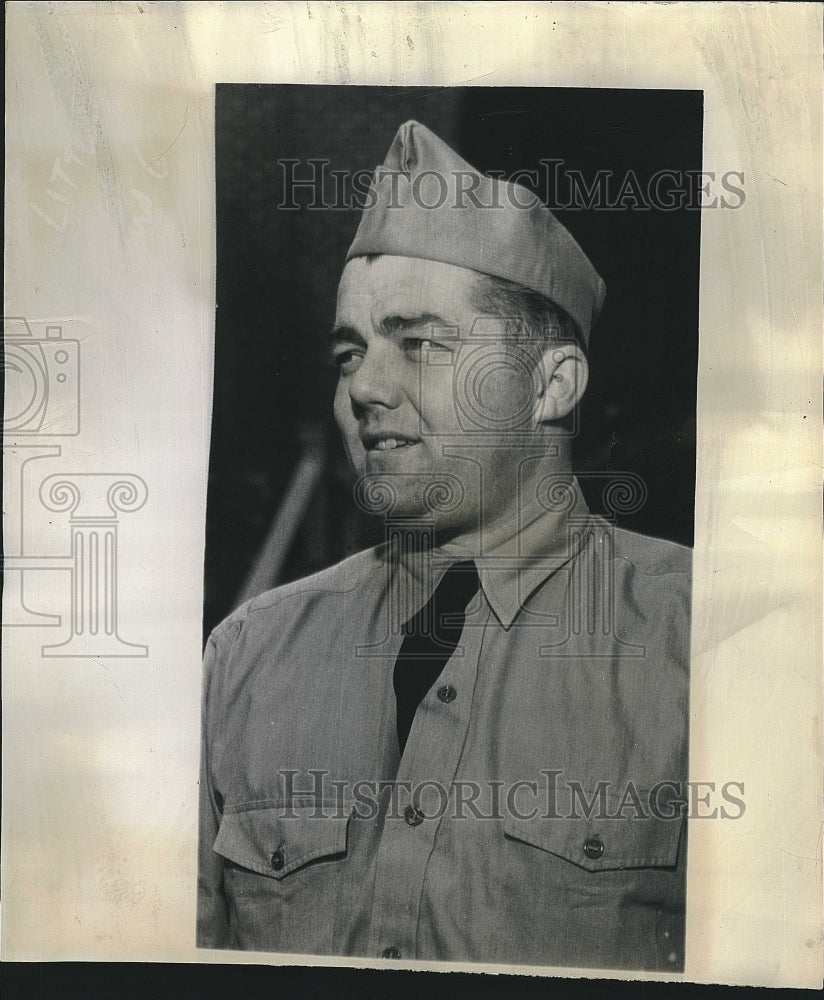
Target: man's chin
406,459
429,495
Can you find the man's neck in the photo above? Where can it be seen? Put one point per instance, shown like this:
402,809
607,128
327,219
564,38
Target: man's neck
500,533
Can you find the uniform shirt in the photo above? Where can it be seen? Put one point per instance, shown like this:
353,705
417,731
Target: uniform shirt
535,816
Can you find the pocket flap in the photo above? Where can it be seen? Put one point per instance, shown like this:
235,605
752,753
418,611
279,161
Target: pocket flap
599,844
275,842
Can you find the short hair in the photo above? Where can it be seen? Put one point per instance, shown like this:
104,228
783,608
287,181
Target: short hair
531,316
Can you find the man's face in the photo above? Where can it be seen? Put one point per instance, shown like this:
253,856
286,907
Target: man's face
408,388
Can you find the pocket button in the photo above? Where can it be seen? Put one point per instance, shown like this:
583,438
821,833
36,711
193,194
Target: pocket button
278,860
593,848
412,816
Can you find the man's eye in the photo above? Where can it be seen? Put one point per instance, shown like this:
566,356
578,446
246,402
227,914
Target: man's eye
416,346
347,362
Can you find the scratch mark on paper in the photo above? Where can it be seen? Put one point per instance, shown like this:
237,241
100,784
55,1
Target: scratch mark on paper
116,687
159,156
472,79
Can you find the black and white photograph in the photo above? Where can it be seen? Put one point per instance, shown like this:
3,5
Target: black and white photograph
412,526
449,717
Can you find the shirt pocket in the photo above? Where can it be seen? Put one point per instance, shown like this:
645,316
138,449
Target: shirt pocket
606,892
275,842
283,872
597,844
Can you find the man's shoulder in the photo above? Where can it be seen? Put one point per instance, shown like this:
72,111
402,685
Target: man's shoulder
653,557
653,574
651,581
359,571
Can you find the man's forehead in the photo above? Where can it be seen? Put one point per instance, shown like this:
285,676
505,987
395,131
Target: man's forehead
403,286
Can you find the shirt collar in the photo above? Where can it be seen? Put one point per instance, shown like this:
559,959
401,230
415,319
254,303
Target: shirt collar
515,559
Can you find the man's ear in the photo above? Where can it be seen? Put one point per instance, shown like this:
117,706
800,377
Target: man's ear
564,376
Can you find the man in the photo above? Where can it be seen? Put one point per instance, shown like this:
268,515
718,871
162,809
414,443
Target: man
469,743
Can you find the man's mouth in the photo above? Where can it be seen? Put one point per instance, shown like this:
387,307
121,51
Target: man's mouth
374,443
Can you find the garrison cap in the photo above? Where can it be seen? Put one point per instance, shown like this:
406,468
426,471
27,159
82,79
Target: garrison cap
425,201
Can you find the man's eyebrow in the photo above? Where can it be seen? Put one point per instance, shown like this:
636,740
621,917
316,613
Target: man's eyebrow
401,324
345,335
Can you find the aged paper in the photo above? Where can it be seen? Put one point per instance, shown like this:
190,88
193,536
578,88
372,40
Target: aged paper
110,298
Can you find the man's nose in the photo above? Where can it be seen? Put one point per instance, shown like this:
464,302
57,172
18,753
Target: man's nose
377,382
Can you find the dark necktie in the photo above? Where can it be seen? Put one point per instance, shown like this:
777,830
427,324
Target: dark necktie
430,638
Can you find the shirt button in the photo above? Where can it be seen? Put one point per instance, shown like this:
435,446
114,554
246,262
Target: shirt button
278,860
593,848
412,816
447,693
390,953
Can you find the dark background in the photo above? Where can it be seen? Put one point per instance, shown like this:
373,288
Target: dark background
277,274
135,981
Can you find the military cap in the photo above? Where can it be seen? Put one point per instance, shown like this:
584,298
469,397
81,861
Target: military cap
426,201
